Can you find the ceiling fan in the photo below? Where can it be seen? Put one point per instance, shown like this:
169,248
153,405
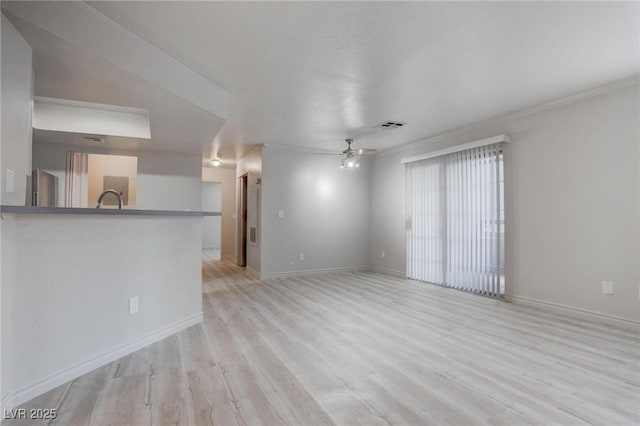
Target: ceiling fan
350,155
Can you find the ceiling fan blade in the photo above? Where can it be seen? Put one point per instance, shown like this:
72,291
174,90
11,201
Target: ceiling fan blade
366,151
327,153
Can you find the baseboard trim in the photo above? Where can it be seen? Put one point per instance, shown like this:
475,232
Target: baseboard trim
229,257
273,275
576,312
252,272
391,272
29,392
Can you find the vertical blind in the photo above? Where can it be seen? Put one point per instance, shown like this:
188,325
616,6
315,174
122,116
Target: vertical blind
455,220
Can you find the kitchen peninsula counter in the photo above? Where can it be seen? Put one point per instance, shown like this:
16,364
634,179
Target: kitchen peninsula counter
69,276
102,211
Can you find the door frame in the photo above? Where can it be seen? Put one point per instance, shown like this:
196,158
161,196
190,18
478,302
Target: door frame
243,198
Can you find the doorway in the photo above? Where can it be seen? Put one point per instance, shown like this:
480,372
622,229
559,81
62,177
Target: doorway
242,249
212,225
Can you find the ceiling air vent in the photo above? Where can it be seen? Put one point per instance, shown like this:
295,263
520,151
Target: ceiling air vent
93,139
390,124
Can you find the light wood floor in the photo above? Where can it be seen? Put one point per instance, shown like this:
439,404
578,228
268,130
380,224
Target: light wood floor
209,255
362,349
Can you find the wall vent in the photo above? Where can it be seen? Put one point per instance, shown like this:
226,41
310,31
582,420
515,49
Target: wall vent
390,124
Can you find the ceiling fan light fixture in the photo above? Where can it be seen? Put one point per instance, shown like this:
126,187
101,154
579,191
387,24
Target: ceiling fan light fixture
215,162
351,156
350,163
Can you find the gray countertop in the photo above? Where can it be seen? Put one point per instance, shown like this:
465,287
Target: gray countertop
110,212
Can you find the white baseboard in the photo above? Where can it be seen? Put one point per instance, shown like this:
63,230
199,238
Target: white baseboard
391,272
576,312
252,272
272,275
29,392
229,257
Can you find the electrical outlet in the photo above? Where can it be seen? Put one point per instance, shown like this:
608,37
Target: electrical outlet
301,256
607,287
280,214
133,305
10,181
382,253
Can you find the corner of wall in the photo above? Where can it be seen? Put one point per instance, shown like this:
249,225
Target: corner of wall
17,96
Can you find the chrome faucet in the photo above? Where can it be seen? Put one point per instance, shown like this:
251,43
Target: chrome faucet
110,191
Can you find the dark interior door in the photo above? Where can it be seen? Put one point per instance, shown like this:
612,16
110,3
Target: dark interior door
244,181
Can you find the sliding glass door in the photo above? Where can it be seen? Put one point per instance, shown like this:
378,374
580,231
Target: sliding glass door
455,226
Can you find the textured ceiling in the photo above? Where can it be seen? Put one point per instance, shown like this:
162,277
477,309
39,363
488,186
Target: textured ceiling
312,73
65,71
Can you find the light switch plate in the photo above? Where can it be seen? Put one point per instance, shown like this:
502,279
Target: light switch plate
280,214
133,305
607,287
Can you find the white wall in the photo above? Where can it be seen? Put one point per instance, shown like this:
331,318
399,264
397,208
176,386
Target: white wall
166,180
251,165
169,181
17,90
326,213
227,178
212,202
67,281
572,202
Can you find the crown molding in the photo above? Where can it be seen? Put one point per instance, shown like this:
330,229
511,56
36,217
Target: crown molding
305,149
457,148
556,103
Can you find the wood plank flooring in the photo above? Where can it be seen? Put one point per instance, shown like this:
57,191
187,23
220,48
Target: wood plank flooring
209,255
361,349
